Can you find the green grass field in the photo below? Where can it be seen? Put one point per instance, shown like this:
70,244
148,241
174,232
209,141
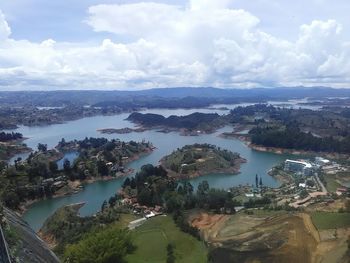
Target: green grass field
327,220
332,184
153,237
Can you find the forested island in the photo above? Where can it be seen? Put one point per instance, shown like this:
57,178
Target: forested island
201,122
201,159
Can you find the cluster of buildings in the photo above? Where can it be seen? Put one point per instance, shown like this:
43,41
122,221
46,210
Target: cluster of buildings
303,167
56,183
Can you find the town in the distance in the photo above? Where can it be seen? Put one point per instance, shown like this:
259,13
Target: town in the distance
175,175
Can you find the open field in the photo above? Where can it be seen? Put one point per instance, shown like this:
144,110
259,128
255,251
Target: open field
331,183
153,237
268,236
326,220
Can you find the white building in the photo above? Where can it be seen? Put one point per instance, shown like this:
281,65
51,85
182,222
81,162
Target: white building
321,161
302,167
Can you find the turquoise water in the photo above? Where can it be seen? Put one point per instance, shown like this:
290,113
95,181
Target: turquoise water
94,194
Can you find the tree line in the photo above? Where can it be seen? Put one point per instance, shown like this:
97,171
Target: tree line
293,138
11,136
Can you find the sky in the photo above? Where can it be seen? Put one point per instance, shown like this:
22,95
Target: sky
119,44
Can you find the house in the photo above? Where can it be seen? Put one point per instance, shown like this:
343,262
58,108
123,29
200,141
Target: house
303,185
59,184
301,167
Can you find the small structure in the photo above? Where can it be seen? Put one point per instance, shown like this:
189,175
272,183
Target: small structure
321,161
302,167
149,215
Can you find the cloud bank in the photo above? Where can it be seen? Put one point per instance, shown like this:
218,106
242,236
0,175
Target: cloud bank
204,43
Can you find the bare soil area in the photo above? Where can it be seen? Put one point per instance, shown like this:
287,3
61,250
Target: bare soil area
268,237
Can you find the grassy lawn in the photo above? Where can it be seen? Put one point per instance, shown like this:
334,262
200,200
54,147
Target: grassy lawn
153,237
328,220
125,219
332,184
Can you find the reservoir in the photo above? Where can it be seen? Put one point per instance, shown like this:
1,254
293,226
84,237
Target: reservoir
94,194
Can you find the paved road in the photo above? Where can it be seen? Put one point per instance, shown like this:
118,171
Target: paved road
4,254
320,184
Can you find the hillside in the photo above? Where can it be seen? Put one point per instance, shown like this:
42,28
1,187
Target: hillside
24,243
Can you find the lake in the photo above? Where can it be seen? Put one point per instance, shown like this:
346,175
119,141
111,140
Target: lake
94,194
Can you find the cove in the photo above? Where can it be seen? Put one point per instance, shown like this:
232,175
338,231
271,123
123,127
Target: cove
94,194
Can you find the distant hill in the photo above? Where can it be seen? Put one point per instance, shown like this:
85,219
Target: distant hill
202,95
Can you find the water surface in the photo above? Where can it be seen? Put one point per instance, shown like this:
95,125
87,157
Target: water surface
94,194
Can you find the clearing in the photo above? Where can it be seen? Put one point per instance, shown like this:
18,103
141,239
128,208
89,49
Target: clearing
152,238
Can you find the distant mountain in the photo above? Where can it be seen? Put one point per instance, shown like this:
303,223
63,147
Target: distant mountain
138,97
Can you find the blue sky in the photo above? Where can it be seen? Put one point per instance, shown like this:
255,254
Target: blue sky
91,44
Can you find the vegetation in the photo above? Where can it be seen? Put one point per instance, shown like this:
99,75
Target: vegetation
152,241
292,138
329,220
200,159
38,176
9,149
300,129
5,137
152,186
65,226
108,245
196,121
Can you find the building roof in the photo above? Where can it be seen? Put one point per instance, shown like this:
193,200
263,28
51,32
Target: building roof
306,164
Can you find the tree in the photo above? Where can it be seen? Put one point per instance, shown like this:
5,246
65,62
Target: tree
203,188
127,182
170,254
188,188
133,183
102,168
53,167
42,147
303,194
104,246
310,183
104,205
66,165
112,200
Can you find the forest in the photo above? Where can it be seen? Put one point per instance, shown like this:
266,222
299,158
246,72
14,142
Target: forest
293,138
11,136
203,121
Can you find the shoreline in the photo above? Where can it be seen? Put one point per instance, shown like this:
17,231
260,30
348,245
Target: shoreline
25,206
18,147
231,170
275,150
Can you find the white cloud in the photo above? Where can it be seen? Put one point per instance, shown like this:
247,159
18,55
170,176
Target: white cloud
205,43
5,30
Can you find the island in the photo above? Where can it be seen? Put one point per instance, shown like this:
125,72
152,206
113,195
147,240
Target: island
191,124
120,131
201,159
